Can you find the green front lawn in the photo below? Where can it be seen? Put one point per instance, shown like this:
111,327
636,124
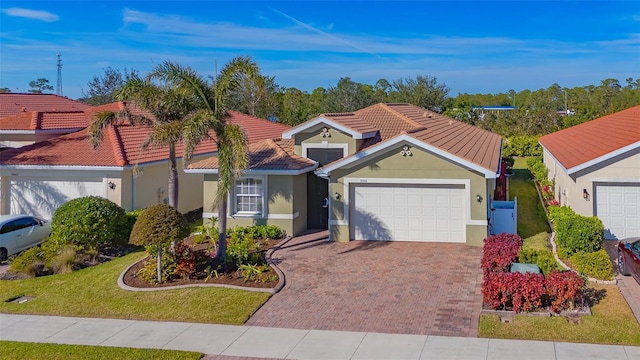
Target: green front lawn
94,292
612,322
40,351
532,220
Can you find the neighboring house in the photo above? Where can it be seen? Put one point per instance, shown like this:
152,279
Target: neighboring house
29,118
385,172
596,169
17,103
36,179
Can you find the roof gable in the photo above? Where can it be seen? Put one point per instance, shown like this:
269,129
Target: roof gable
347,123
592,142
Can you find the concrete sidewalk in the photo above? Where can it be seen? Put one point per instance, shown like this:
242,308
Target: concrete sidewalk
278,343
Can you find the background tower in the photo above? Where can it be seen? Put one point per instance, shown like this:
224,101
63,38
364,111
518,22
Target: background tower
59,85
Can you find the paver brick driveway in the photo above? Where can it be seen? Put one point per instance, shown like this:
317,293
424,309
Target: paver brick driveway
376,286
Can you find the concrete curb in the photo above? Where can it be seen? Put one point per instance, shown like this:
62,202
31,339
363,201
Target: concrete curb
278,287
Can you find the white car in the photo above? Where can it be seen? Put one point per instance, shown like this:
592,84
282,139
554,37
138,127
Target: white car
20,232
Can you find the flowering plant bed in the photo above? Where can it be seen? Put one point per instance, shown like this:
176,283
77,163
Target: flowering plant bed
197,265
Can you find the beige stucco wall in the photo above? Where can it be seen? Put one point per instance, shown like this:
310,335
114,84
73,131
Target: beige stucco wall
285,203
151,187
622,168
314,137
422,165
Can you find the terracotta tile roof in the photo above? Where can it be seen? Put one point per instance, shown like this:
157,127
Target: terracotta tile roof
121,145
468,142
40,120
17,103
271,154
590,140
351,121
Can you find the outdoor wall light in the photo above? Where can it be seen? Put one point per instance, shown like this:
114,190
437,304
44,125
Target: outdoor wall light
337,196
585,194
479,198
112,185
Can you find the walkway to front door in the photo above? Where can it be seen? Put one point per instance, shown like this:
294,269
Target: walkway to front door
376,286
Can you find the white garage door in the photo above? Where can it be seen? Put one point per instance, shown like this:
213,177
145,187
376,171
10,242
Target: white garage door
405,212
42,197
618,206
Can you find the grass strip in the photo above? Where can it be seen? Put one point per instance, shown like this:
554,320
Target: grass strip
94,292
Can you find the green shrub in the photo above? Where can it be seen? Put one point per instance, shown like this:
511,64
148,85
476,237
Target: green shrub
159,224
594,264
558,213
241,249
522,145
538,169
89,222
543,258
132,217
577,233
257,232
30,262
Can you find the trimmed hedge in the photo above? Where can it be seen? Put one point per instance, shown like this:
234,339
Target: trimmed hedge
498,252
543,258
562,289
538,169
559,213
577,233
89,222
159,224
594,264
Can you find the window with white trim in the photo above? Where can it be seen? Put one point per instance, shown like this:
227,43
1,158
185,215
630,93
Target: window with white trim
249,195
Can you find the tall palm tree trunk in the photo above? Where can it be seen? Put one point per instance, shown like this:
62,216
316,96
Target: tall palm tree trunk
222,229
173,177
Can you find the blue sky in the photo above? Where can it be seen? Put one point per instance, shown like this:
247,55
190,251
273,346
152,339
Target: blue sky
472,46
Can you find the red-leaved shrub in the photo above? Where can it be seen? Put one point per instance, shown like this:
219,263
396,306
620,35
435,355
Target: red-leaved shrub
563,287
499,252
517,291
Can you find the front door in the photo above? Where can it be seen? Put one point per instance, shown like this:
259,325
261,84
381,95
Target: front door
318,189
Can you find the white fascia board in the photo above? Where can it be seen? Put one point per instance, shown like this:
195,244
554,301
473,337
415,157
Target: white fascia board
18,132
604,157
49,131
62,167
488,174
256,171
323,120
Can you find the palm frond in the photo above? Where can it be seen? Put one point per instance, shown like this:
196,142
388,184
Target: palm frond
233,158
101,121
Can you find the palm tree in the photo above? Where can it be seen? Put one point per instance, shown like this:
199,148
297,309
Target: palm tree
211,114
168,107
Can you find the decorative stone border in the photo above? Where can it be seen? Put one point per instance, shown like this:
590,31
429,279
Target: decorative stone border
270,262
554,247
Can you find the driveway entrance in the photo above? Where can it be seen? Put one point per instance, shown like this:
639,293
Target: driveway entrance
376,286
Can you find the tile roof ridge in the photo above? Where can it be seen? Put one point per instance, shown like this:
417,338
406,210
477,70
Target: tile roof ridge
118,147
401,115
346,113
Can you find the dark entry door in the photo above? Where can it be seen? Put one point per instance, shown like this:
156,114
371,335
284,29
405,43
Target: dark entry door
317,189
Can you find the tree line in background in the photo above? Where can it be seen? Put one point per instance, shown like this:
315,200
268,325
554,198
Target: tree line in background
534,113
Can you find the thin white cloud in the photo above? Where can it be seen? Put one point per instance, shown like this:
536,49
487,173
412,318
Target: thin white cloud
330,36
32,14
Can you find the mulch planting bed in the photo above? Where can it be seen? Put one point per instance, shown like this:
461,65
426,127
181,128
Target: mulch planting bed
228,274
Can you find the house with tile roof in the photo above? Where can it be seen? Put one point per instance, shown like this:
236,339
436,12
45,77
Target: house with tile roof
385,172
29,118
596,169
38,178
